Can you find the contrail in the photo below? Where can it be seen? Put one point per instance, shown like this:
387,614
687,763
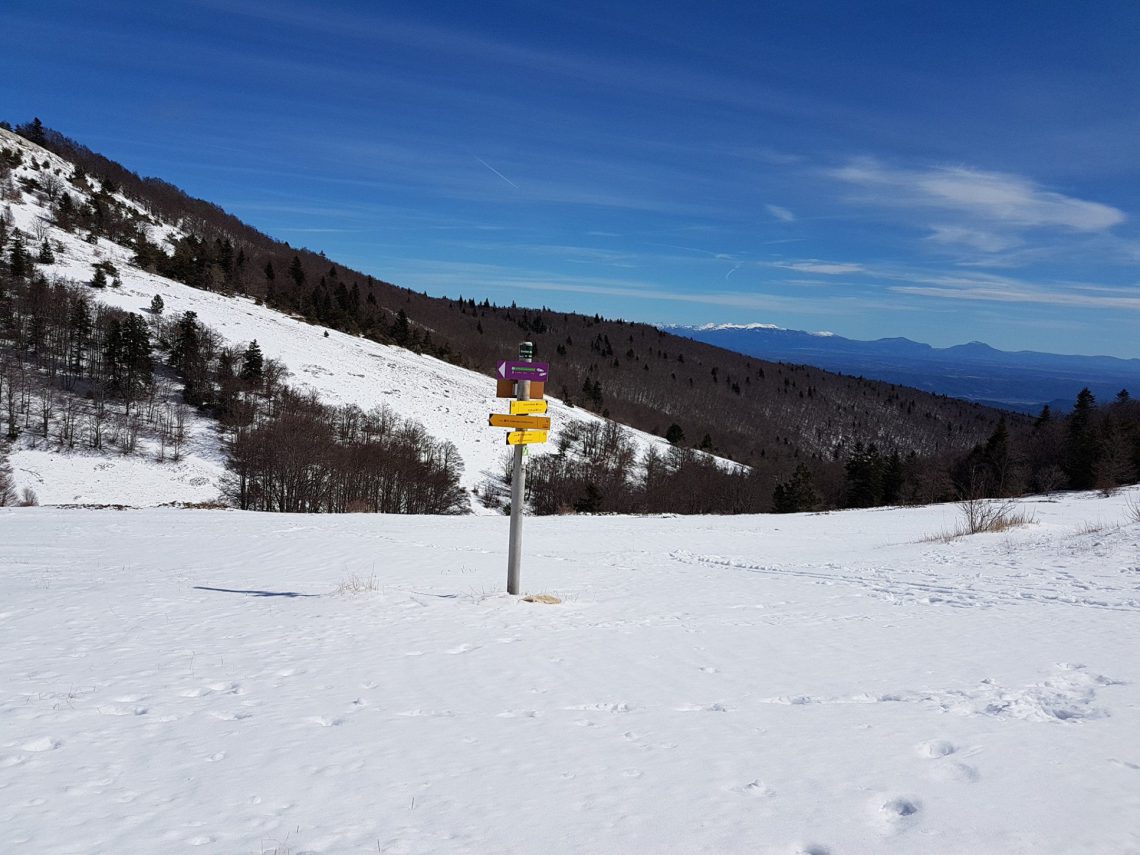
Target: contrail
496,172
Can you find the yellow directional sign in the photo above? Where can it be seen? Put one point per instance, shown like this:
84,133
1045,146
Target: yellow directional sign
520,422
522,408
525,437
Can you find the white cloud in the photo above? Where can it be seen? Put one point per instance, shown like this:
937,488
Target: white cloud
993,197
986,241
826,268
782,214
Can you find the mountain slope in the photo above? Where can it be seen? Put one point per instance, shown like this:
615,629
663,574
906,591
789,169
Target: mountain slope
451,402
762,414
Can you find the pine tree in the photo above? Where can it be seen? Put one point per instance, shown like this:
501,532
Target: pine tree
252,363
135,353
33,131
46,255
99,280
864,471
297,272
79,325
18,264
157,305
795,495
401,329
1081,445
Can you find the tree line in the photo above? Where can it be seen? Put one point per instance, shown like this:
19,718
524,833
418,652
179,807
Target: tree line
596,468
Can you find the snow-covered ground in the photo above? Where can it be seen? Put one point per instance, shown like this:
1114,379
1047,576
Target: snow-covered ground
452,403
832,683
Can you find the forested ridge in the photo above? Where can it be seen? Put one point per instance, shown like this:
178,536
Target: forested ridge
804,433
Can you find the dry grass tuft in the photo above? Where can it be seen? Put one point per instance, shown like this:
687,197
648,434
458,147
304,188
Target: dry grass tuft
358,585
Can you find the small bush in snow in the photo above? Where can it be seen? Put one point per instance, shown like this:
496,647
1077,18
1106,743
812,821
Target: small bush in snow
981,515
1132,508
984,515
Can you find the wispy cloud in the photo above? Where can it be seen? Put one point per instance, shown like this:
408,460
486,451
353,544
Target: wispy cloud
825,268
1004,289
782,214
993,196
986,241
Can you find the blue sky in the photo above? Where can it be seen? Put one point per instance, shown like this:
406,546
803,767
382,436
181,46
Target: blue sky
946,172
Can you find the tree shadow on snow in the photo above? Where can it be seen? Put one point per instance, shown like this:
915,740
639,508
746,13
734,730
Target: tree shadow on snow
254,593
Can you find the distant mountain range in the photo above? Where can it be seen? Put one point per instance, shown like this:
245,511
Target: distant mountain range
1023,381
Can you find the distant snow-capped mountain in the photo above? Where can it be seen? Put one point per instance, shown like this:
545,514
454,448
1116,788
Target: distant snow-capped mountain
1024,380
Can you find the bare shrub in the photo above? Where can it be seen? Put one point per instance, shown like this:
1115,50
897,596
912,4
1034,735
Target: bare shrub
984,515
981,515
1098,527
28,498
7,490
1132,508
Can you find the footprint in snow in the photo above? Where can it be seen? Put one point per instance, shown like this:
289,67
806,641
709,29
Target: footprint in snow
120,709
955,772
935,748
463,648
44,743
226,716
896,814
325,721
756,787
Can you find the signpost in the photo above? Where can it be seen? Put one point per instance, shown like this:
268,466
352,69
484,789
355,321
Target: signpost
528,427
525,437
519,422
523,408
523,369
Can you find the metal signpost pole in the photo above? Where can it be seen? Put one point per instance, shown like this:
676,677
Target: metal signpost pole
518,492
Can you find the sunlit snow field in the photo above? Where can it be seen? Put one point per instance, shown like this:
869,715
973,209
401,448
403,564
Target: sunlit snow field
838,683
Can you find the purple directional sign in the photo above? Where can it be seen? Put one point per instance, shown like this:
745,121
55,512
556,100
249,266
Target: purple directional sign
513,369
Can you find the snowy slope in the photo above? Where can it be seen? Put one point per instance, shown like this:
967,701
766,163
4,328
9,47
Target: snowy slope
179,680
452,403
